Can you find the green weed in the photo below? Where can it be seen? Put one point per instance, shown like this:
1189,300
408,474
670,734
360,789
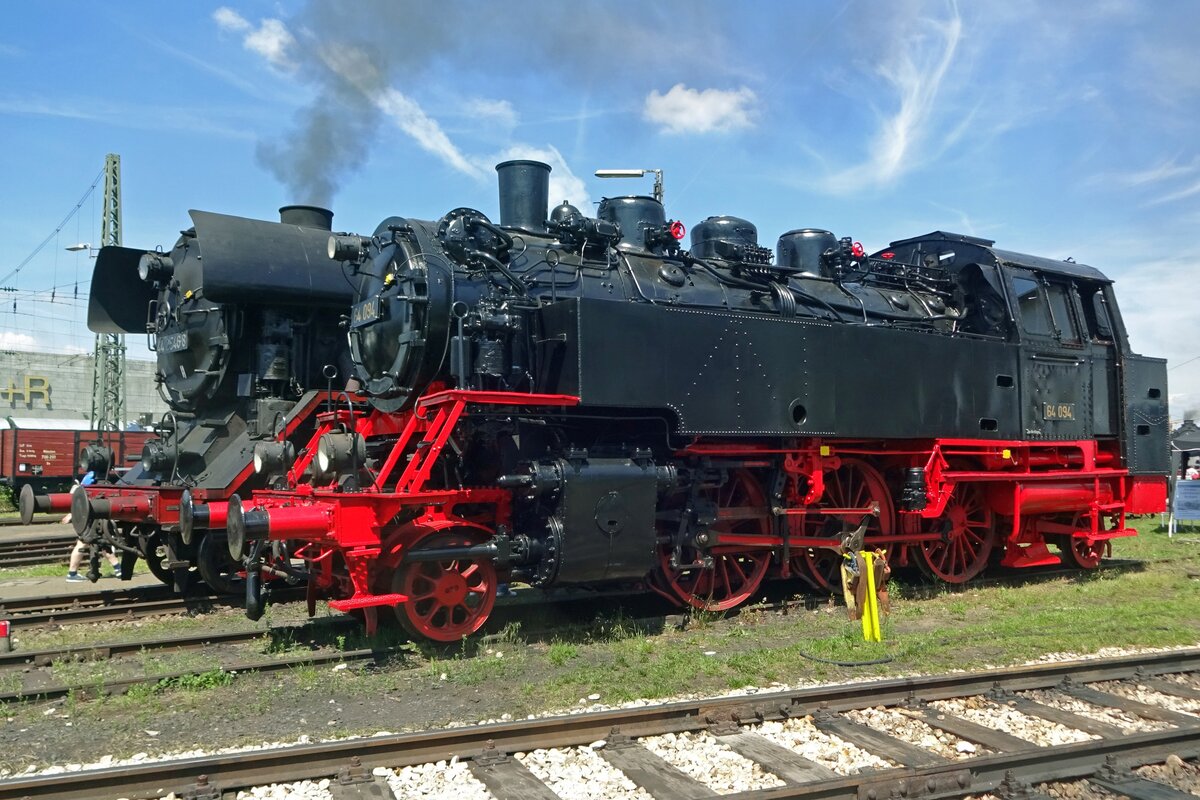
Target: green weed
562,652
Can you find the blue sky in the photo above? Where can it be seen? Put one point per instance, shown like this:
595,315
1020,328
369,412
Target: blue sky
1065,129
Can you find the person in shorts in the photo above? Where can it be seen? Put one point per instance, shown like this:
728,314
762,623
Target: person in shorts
80,550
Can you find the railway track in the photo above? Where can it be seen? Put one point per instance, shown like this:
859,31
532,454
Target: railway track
48,549
1005,764
108,605
38,519
39,683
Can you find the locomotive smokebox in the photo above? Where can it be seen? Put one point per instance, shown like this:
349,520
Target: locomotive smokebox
524,195
307,217
800,250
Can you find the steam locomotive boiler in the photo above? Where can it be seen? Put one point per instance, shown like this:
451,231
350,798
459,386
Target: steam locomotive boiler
244,318
565,400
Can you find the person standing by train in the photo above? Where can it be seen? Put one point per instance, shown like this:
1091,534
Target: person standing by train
1193,473
81,547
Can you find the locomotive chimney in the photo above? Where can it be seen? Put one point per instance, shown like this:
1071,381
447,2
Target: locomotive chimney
307,217
524,195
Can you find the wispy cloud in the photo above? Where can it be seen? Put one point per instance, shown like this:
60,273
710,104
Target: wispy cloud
498,112
355,67
1191,190
914,65
1165,170
10,51
205,65
1169,180
144,118
424,130
684,110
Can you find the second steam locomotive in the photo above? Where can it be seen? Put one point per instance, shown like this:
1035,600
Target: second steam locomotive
245,318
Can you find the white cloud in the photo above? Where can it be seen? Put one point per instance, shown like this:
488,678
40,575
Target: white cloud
1157,302
355,67
230,20
11,340
1178,194
915,65
684,110
1163,171
500,112
1168,179
271,39
411,119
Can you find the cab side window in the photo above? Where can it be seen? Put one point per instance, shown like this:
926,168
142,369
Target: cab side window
1095,313
1035,316
1062,312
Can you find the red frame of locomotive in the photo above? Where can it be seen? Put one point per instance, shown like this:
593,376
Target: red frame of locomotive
160,505
1025,480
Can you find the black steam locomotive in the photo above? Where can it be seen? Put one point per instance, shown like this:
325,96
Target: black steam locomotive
561,399
244,316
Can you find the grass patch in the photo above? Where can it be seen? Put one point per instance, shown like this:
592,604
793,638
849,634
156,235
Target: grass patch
195,682
562,652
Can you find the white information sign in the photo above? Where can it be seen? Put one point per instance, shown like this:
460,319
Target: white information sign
1186,503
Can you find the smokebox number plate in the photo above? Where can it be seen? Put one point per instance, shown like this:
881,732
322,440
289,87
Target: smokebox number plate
366,312
172,342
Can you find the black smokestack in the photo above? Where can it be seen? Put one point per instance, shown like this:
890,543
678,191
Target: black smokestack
524,194
307,217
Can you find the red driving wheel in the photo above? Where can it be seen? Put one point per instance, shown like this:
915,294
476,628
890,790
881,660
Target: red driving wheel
967,538
736,573
855,484
448,599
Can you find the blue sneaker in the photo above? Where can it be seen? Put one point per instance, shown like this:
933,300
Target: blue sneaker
75,577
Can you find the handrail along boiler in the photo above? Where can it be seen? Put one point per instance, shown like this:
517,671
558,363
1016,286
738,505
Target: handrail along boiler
244,316
579,400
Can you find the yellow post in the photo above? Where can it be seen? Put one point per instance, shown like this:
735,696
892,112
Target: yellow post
870,609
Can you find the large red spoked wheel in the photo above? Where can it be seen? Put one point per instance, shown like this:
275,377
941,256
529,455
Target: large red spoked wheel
448,599
968,537
1080,553
855,484
735,573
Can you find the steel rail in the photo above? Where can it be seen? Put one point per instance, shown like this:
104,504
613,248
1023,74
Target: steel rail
297,762
95,597
122,685
41,518
40,550
985,774
99,652
108,605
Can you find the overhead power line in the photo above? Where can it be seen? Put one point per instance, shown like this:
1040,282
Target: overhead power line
1183,363
56,231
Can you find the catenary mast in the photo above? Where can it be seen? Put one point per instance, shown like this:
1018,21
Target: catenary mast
108,387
